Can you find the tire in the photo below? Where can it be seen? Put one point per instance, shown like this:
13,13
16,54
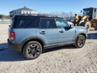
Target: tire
80,41
32,50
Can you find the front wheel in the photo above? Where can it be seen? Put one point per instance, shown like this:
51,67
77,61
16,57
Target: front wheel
80,41
32,50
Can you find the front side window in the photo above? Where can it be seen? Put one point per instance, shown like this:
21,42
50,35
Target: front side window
60,22
47,23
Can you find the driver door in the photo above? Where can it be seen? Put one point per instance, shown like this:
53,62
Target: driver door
66,34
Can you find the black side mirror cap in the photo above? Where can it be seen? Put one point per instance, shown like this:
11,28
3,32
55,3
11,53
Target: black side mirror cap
68,27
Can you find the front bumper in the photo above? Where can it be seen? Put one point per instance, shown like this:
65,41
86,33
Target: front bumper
16,47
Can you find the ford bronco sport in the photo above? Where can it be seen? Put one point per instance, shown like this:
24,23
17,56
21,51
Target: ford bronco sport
31,34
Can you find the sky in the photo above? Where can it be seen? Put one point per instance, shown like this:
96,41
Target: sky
47,6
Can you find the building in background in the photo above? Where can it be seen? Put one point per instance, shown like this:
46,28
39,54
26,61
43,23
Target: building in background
23,11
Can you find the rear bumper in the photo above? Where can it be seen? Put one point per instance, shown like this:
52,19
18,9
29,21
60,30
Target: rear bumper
16,47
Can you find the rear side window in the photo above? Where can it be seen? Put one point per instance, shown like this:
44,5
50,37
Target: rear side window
47,23
25,22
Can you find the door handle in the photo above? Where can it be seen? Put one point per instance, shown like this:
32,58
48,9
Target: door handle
42,32
61,31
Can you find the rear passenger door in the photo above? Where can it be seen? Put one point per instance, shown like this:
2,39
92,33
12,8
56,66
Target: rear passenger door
48,30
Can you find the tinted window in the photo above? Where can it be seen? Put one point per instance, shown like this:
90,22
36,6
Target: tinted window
25,22
47,23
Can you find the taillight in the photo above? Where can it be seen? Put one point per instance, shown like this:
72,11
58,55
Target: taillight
12,36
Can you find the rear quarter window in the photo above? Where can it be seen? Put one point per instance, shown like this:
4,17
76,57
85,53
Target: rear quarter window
25,22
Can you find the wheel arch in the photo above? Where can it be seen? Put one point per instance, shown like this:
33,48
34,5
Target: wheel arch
75,44
83,34
32,39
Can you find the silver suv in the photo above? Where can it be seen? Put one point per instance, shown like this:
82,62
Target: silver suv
31,34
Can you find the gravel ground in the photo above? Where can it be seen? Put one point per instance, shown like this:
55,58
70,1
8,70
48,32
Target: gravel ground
65,59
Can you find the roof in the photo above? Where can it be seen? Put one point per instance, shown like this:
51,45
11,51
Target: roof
38,16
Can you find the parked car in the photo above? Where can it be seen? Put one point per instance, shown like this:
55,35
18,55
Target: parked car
31,34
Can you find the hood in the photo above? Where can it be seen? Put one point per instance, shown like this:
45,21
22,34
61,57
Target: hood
79,27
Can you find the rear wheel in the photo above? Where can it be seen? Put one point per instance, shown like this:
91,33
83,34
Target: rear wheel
80,41
32,50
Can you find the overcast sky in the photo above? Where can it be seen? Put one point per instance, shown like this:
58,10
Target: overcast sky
47,6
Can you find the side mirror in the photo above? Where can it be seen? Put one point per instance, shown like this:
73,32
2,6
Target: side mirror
10,26
70,24
68,27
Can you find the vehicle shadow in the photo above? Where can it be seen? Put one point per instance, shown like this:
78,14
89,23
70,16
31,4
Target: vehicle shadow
7,54
10,55
59,48
92,36
3,46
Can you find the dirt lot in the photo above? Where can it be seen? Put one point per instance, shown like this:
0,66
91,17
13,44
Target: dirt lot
65,59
